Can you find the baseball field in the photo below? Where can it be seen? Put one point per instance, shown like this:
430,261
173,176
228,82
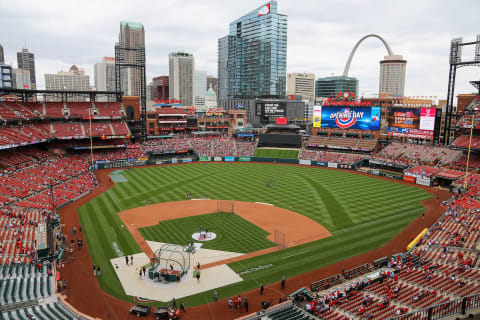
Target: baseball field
361,212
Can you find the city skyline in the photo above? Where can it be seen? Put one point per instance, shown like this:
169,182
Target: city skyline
319,37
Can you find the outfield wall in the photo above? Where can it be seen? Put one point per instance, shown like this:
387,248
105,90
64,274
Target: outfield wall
125,163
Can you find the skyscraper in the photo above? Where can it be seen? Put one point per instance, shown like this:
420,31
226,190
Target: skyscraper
160,88
6,78
72,80
104,77
392,75
132,36
199,88
252,59
2,57
26,61
302,84
181,66
21,79
331,86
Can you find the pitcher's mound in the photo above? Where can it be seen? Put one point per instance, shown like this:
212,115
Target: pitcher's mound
202,236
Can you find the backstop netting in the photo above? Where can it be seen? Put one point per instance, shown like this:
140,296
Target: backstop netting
225,206
279,238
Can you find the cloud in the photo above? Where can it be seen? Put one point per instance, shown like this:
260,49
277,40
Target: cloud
321,35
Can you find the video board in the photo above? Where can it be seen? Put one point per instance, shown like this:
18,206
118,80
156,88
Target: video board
411,122
275,109
347,117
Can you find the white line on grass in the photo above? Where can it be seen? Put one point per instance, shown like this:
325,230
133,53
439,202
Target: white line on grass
374,221
114,199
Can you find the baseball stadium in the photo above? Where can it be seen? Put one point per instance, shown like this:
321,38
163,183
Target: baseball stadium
104,216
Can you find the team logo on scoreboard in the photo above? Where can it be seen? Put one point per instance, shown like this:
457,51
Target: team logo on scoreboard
345,118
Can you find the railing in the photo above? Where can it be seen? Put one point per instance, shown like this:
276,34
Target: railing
333,280
258,315
458,306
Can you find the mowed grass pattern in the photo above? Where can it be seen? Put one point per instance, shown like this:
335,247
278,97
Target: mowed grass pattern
276,153
362,213
231,231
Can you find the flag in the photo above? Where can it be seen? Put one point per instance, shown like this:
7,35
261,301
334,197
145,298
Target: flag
264,10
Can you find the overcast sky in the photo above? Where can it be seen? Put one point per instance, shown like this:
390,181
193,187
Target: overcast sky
321,34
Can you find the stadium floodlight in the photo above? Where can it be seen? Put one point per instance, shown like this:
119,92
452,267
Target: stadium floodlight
456,50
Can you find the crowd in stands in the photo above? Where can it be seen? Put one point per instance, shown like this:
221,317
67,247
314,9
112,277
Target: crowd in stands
342,143
424,171
12,110
329,156
473,162
463,141
221,146
466,121
418,154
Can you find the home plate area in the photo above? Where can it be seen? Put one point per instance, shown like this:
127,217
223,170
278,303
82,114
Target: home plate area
166,286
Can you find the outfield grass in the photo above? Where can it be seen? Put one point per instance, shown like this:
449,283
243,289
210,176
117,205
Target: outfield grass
361,212
276,153
229,228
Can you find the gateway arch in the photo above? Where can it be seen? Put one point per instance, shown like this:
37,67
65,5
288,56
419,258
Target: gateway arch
350,57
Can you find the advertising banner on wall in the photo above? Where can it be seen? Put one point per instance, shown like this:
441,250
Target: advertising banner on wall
332,165
410,133
317,116
244,159
305,162
423,181
346,117
217,159
204,158
229,159
409,179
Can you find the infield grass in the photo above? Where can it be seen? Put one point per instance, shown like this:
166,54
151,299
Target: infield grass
229,228
361,212
276,153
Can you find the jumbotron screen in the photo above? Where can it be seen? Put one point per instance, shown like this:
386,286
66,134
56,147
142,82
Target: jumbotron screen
411,122
347,117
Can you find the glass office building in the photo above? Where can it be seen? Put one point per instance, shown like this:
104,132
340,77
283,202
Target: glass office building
332,86
252,59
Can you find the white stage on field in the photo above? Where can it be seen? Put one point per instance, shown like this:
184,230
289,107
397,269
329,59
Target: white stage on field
210,278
